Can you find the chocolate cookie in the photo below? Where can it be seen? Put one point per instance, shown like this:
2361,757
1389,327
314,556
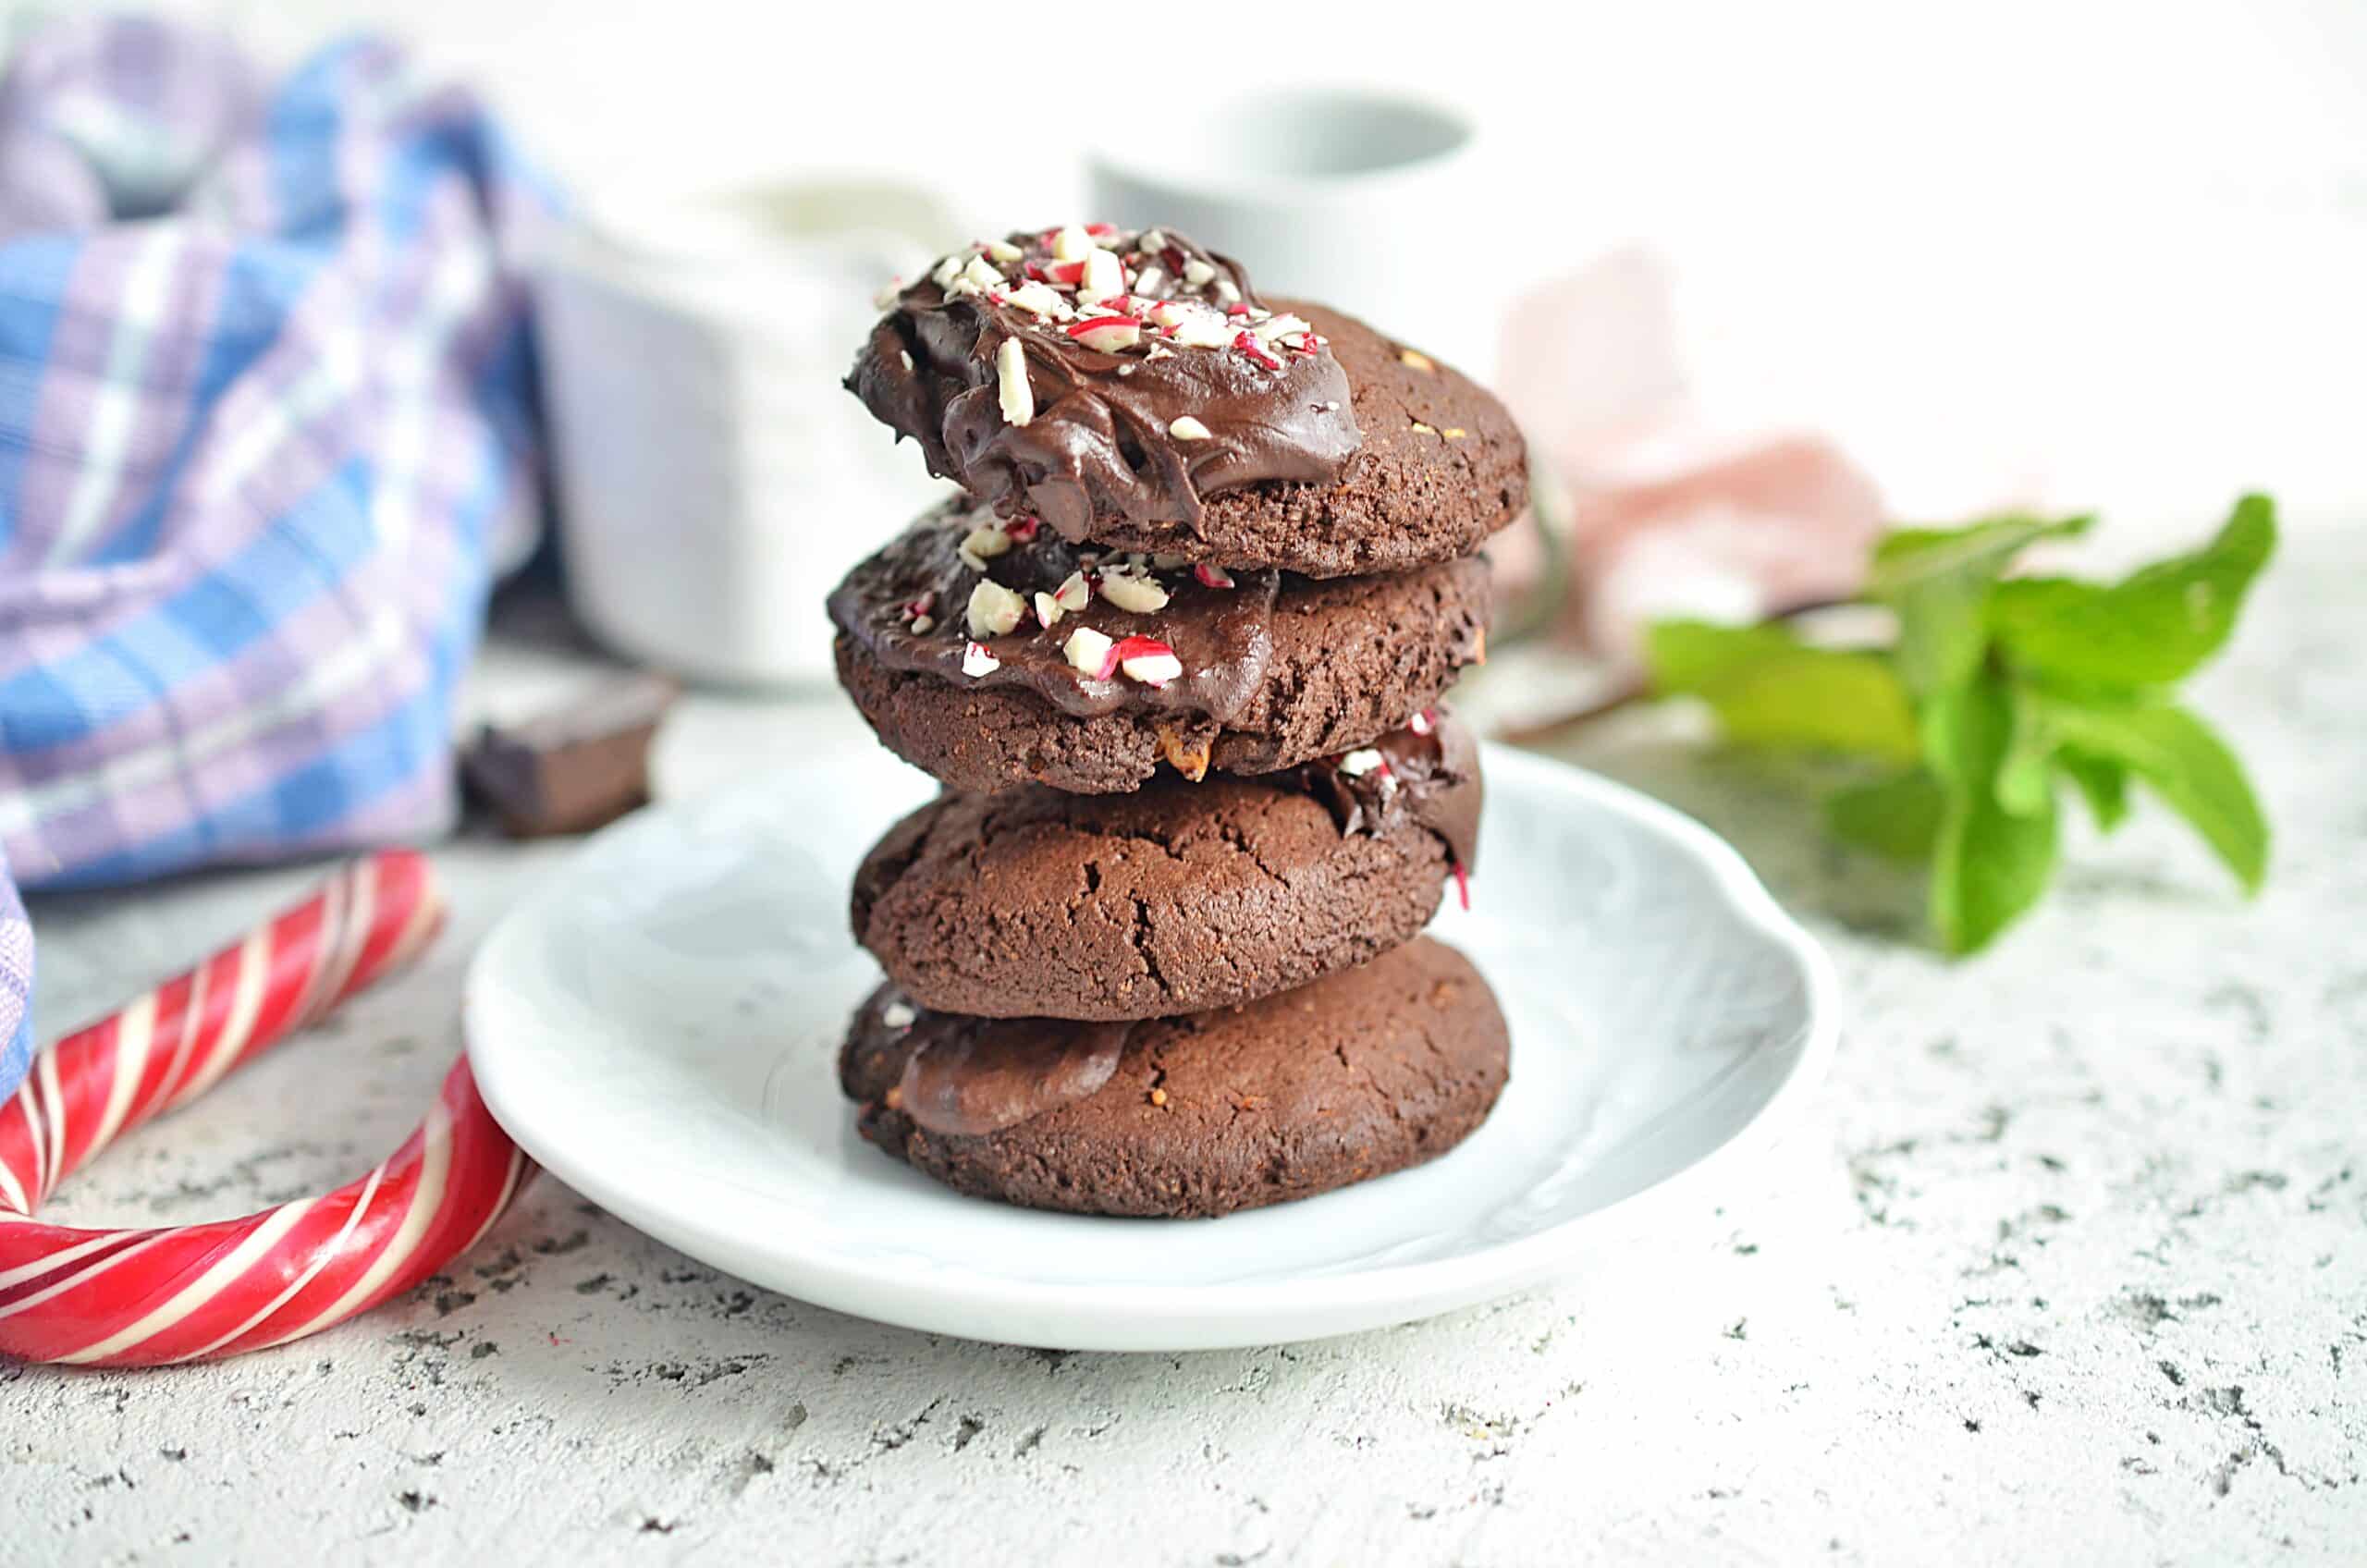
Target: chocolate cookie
1176,898
1133,390
992,654
1361,1073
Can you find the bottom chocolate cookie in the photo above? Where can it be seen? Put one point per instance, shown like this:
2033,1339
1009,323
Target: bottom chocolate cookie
1363,1073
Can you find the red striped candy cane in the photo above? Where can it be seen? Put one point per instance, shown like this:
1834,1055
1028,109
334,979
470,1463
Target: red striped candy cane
138,1297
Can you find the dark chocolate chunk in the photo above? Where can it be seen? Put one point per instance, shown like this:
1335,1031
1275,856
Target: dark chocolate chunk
574,767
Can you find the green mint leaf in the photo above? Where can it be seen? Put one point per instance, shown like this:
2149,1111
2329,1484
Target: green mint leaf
1938,583
2150,629
1964,732
2186,765
1907,556
1898,817
1989,867
1768,689
2026,772
2101,780
1988,864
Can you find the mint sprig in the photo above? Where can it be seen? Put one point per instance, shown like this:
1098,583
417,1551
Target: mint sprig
1998,695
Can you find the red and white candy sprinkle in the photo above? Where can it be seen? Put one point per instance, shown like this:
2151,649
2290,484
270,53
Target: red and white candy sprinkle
1091,652
1092,285
1148,660
1133,589
1017,397
994,609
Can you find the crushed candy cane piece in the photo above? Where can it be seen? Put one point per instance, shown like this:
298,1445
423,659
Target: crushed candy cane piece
1011,372
1148,660
1091,652
1132,591
1037,298
994,609
1108,334
1103,277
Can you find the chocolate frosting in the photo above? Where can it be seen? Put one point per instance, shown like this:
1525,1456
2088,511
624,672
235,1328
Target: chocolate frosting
1100,441
969,1076
1224,637
1431,778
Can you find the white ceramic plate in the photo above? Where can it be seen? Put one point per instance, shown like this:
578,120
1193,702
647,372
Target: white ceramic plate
660,1026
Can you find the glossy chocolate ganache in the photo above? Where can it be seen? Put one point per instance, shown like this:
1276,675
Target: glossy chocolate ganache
1427,773
1089,372
918,605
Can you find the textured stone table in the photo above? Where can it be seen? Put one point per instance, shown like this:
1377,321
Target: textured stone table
2068,1264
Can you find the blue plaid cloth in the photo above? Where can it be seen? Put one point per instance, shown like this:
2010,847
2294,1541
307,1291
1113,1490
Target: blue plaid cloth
266,420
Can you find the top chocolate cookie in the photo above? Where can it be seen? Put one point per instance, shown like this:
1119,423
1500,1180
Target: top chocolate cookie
1131,389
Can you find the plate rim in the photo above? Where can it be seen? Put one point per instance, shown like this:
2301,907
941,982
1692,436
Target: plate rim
1186,1312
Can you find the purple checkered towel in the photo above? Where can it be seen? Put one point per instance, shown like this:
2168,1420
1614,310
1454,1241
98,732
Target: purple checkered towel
265,419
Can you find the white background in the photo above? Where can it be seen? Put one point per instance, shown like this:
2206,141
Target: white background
2081,254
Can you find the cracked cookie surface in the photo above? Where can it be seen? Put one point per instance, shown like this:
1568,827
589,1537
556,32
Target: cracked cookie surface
1176,898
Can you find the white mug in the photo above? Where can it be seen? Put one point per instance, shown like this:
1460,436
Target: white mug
1386,206
714,479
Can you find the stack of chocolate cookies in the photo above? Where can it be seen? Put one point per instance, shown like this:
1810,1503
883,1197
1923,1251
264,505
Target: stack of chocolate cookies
1177,656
